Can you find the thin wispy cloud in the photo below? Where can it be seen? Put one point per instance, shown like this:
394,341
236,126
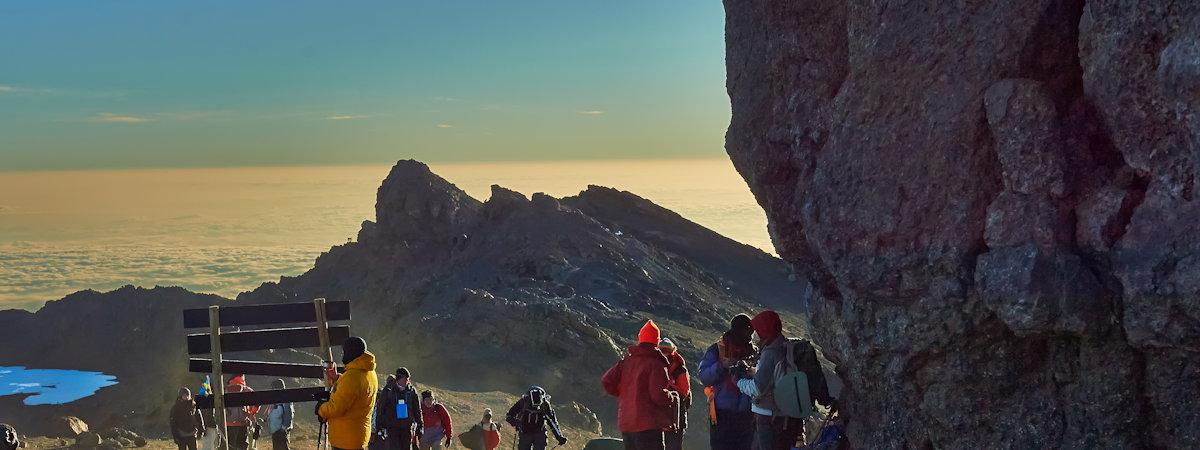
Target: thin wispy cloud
107,117
6,88
444,125
347,117
593,112
446,99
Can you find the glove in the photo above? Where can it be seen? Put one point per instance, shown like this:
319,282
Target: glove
317,411
562,440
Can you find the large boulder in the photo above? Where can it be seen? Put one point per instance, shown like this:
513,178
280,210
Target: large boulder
995,204
66,427
88,439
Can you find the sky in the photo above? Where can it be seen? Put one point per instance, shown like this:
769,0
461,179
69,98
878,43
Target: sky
171,84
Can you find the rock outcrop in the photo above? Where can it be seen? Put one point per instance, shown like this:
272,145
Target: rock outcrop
994,202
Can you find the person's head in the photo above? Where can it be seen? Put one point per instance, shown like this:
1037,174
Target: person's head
427,398
767,325
740,329
537,395
185,394
666,346
487,415
402,377
390,381
649,334
353,348
278,384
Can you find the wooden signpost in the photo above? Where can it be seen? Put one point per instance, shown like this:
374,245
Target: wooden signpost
316,333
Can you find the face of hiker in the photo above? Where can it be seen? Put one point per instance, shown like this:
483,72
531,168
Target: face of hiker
402,382
427,402
535,396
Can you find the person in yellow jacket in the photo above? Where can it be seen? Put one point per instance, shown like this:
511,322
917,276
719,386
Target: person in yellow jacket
350,406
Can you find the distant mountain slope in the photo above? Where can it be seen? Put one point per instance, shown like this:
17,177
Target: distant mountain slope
470,295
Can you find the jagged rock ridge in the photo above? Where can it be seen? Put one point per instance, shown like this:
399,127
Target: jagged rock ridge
995,204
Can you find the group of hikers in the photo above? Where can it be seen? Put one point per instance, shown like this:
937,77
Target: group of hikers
361,415
759,397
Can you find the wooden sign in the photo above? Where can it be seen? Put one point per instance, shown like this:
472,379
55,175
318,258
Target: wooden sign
216,342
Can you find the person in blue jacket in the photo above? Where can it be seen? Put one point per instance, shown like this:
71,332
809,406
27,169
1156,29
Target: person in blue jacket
280,418
731,422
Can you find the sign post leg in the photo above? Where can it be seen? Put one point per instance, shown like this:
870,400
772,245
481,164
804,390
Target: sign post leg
217,383
326,351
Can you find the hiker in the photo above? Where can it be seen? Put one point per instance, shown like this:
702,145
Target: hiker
681,383
439,428
731,424
186,423
8,437
484,435
399,416
491,431
529,416
642,386
279,420
775,427
238,421
348,410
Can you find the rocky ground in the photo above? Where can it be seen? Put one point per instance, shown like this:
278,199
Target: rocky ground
995,202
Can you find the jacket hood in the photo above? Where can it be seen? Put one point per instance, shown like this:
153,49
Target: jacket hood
365,362
647,350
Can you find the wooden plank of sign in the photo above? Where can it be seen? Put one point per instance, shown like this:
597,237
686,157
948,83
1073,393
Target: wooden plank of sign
239,399
270,369
268,314
276,338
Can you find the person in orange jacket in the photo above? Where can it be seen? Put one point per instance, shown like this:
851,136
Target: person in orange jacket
682,383
350,404
239,422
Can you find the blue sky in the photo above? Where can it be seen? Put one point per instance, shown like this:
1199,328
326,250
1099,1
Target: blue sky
188,84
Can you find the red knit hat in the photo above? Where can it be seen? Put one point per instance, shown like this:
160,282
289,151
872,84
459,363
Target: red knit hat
649,334
768,325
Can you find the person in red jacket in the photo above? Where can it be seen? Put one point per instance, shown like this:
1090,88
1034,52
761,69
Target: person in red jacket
681,383
439,429
642,387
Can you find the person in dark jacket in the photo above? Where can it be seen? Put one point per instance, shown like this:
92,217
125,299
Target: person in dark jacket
398,415
8,437
771,432
530,416
731,424
186,423
642,386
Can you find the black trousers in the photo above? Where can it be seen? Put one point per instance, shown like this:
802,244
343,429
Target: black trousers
777,433
239,437
644,440
733,431
279,440
531,441
399,438
186,443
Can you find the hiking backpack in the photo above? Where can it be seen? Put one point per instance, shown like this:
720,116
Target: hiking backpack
790,388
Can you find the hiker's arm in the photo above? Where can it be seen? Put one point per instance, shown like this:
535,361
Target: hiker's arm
711,370
764,371
612,380
415,411
199,418
289,414
447,422
342,398
659,386
554,423
511,417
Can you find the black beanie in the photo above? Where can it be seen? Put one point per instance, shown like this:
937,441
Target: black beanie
740,322
353,348
403,373
278,383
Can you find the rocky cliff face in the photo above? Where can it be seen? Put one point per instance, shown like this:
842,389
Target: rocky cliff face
995,202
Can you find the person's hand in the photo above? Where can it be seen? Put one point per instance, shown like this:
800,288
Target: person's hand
833,406
317,411
562,440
